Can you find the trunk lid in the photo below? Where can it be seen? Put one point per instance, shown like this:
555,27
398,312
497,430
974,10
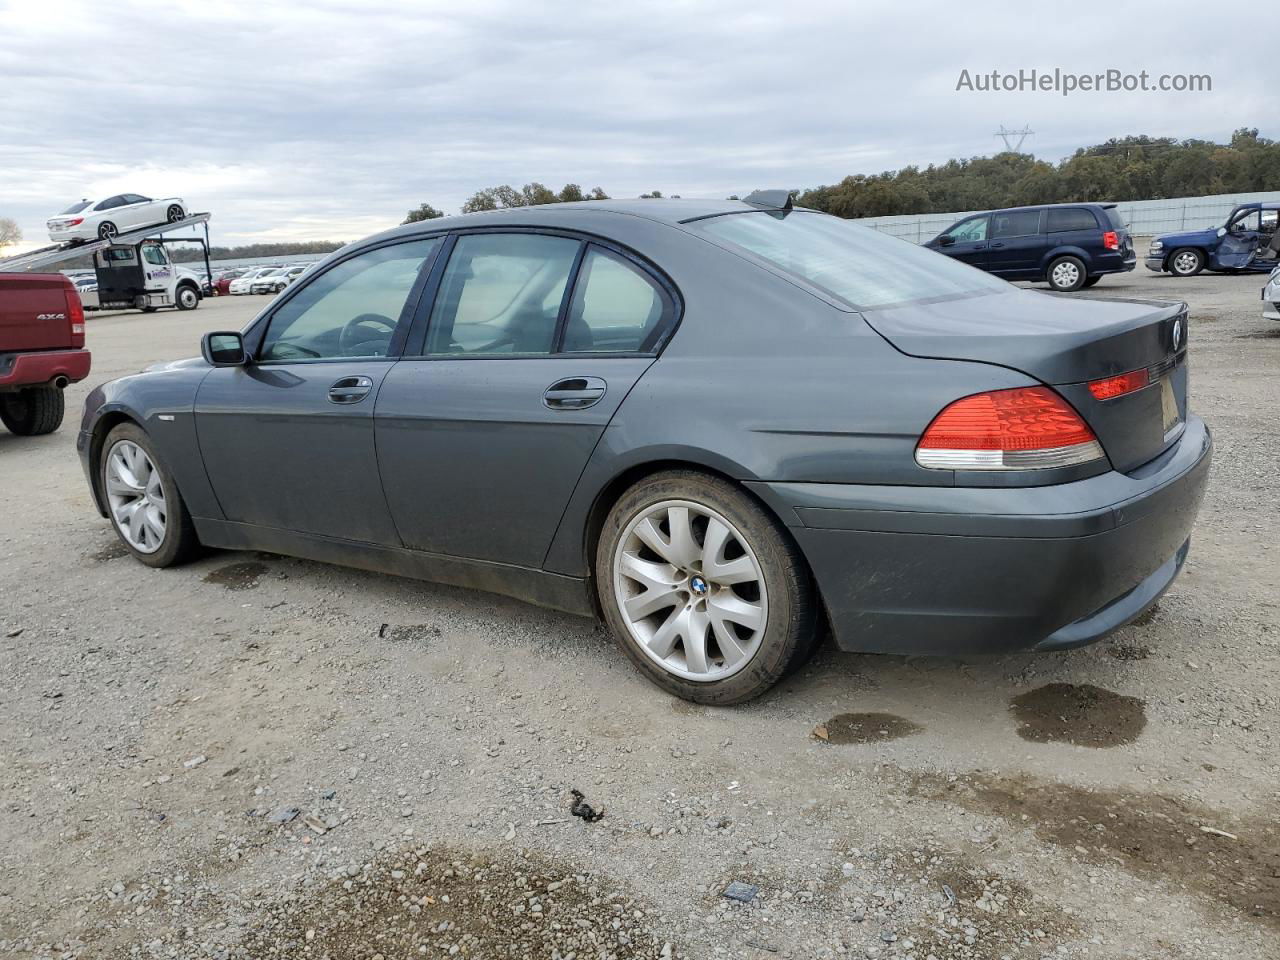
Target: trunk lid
35,313
1066,342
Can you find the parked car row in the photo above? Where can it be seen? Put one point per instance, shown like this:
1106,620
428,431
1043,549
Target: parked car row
262,279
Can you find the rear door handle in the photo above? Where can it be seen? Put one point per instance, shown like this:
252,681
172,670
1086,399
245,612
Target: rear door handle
350,389
574,393
996,246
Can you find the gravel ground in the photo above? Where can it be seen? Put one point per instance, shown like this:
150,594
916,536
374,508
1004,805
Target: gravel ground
254,756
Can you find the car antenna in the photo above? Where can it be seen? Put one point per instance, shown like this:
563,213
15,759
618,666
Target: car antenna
770,199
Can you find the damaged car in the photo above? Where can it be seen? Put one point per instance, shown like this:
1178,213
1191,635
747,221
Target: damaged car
1248,241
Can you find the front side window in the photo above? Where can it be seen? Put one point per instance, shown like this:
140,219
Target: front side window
969,231
1071,218
861,266
616,307
349,311
1015,223
1247,220
153,254
501,294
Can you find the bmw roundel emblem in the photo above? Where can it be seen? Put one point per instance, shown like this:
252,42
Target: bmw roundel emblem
698,585
1177,335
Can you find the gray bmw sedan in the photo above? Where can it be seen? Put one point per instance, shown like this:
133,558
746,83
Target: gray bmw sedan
727,428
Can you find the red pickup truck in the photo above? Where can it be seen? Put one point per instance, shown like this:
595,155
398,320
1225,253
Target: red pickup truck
41,349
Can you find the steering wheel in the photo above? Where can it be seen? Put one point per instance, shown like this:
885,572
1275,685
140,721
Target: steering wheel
353,334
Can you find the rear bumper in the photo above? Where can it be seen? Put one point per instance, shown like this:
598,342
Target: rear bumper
1118,262
39,368
956,570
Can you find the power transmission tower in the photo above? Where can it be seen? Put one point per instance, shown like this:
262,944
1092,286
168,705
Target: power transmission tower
1012,145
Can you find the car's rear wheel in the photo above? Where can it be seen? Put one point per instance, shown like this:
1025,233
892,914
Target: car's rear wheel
1186,262
174,213
142,498
702,589
188,298
32,411
1066,274
107,230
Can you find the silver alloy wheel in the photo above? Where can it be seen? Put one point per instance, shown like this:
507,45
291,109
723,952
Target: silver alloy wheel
174,213
1185,262
108,231
1065,274
690,590
136,496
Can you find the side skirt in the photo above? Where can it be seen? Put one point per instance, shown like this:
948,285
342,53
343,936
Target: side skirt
539,587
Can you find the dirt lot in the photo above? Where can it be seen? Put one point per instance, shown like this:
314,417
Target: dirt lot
420,744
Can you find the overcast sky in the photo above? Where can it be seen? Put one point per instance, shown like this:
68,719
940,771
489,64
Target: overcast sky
328,120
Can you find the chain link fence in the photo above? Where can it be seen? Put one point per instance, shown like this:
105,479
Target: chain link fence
1146,218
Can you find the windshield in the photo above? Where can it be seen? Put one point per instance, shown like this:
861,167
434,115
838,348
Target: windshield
76,207
861,266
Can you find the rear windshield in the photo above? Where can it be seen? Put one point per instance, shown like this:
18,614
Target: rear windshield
1117,221
76,207
861,266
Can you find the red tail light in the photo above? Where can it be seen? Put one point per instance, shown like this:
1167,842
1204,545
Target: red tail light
1111,240
1118,386
1027,428
75,314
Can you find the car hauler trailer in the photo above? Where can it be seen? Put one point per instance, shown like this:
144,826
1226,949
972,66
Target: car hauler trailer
134,269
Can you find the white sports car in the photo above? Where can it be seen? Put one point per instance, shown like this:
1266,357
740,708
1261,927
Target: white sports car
105,219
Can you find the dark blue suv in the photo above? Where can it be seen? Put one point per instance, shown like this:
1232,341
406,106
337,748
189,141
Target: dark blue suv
1069,245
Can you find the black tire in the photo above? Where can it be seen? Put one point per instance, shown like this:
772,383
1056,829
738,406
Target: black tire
1185,262
33,411
174,213
187,297
789,634
1066,274
107,230
180,542
1090,281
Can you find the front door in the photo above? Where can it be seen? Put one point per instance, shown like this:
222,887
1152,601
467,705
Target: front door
288,439
1239,246
482,438
967,241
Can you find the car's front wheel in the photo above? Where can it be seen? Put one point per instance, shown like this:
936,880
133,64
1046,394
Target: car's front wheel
187,297
143,501
702,589
1186,262
1066,274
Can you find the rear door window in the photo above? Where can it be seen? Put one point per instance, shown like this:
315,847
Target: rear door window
1015,223
617,308
1063,220
501,294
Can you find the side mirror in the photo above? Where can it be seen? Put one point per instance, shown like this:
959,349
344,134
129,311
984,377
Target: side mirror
223,349
946,240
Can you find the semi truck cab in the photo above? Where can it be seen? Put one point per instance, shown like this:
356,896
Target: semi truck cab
142,276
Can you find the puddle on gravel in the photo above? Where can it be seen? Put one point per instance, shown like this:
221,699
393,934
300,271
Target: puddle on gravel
1205,852
114,550
865,728
442,902
1082,714
237,576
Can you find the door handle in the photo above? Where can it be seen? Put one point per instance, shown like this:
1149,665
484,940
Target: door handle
350,389
996,246
574,393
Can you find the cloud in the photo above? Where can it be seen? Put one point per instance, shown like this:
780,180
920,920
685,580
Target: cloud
328,120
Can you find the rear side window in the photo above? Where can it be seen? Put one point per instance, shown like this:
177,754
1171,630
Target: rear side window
616,307
1072,218
1015,223
861,266
351,310
501,294
75,207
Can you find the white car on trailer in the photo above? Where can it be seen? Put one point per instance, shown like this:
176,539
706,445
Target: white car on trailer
106,219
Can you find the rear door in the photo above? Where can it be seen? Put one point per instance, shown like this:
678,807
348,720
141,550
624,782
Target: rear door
533,341
288,440
1017,244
